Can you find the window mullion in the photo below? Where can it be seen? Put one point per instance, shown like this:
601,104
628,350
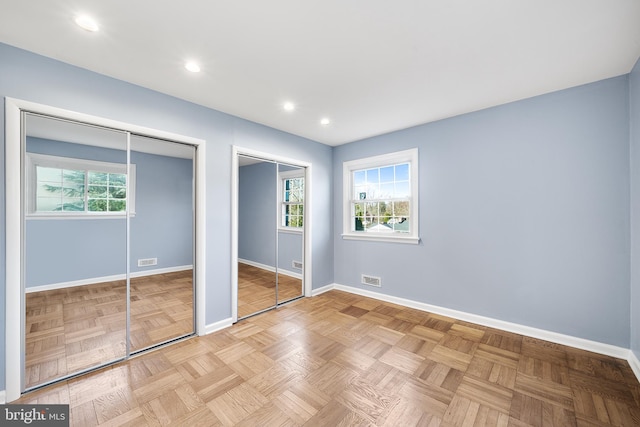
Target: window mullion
86,190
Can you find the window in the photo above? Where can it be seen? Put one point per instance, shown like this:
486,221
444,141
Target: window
63,186
291,196
381,197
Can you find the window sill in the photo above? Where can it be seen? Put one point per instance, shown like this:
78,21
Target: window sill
290,230
78,216
411,240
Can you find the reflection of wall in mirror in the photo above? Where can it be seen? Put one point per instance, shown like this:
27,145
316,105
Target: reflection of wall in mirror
68,250
257,213
258,220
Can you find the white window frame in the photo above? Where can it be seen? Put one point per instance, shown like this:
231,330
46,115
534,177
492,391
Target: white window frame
282,176
407,156
32,160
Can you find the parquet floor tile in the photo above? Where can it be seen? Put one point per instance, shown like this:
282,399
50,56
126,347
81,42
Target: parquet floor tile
344,360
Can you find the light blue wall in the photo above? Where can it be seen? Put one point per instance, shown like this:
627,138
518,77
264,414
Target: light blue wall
524,214
34,78
634,126
60,251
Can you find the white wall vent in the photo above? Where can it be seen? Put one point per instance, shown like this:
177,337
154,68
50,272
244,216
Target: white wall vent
147,262
371,281
296,264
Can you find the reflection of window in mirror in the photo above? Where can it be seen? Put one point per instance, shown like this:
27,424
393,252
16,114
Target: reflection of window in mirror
291,199
64,186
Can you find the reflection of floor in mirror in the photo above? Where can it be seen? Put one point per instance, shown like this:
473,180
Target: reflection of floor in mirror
257,289
76,328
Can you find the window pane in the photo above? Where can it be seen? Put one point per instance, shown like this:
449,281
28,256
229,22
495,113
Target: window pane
48,174
371,214
98,178
72,204
401,225
386,191
117,206
49,189
97,205
402,172
117,192
402,189
401,209
73,177
98,191
386,174
373,176
118,179
73,190
48,204
59,189
361,193
359,177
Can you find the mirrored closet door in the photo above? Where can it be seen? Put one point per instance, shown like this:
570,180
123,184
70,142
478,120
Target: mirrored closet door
108,246
161,242
270,234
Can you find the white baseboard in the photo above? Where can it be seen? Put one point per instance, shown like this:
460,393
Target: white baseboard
322,290
271,268
634,363
568,340
216,326
103,279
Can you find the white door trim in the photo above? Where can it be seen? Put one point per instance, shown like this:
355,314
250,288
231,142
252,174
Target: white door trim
307,261
14,321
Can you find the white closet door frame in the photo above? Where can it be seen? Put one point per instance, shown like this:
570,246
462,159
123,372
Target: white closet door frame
307,261
14,321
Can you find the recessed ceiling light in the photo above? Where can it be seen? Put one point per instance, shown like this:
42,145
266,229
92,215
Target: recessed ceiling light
87,23
325,121
289,106
192,66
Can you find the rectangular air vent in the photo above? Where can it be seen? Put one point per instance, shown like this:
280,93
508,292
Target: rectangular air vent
296,264
371,281
147,262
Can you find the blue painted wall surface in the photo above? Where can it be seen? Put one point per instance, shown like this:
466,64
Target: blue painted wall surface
64,250
524,214
34,78
634,129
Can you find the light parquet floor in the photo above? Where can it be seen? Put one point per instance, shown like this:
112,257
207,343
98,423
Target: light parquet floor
338,359
72,329
257,289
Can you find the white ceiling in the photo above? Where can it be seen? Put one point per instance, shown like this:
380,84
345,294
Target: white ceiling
372,66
